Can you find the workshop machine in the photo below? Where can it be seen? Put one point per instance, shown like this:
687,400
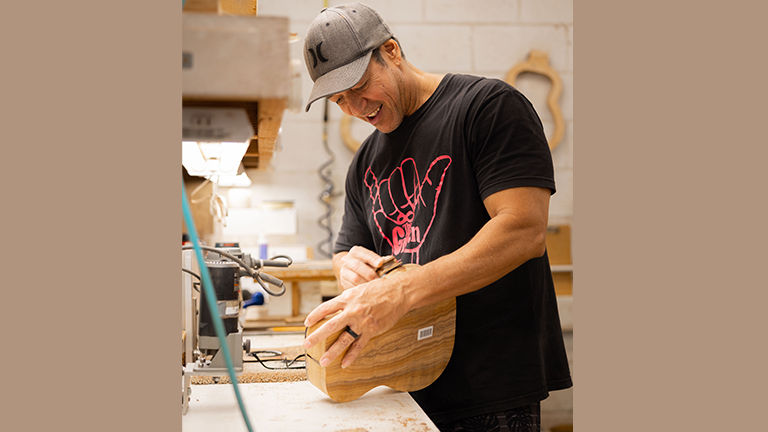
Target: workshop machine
202,353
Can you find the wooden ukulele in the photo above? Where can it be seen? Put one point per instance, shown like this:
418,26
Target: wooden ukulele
407,357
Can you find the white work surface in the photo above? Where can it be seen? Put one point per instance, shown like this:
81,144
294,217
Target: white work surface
299,406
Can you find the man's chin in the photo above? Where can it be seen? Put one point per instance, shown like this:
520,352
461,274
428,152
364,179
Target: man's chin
387,128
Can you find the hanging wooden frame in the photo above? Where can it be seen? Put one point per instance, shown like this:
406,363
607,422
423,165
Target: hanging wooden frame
538,63
346,133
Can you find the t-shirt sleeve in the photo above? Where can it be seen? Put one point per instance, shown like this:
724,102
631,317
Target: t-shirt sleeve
507,144
354,231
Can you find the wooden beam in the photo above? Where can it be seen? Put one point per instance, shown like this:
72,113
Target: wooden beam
201,6
270,115
229,7
238,7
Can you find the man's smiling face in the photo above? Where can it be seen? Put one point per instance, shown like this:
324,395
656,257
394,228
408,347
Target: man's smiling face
376,98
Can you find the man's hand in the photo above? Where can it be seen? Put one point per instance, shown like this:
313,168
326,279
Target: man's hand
357,266
368,309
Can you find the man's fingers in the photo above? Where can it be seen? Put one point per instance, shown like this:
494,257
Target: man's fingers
322,311
362,270
342,343
349,278
328,328
369,257
354,351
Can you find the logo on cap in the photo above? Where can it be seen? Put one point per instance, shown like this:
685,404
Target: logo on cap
319,55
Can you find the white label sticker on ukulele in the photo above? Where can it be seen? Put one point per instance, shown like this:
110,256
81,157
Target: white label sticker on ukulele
424,333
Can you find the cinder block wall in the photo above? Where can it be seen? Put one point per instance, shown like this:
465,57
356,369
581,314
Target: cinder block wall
485,38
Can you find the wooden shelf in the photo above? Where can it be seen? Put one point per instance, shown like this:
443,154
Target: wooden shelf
561,268
237,59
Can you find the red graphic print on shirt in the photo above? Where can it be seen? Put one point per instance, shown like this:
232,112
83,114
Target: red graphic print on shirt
404,204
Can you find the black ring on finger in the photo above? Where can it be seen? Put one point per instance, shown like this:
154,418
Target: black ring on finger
351,333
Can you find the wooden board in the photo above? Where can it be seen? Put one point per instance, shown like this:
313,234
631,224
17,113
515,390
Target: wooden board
396,358
269,322
270,116
563,283
201,6
558,241
199,205
230,7
239,7
304,271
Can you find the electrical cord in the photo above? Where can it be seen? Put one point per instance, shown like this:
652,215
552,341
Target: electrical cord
195,285
192,273
287,364
210,296
327,194
261,278
275,258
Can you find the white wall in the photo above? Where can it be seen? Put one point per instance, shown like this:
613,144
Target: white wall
484,38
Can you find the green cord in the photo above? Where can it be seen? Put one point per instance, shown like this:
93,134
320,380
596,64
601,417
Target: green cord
210,296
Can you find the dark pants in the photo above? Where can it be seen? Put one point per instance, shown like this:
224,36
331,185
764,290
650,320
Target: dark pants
523,419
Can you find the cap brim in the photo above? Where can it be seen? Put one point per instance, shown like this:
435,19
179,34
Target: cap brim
339,79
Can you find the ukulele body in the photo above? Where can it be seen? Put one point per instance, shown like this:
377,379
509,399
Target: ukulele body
408,357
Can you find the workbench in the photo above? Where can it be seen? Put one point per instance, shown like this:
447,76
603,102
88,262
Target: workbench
283,401
299,406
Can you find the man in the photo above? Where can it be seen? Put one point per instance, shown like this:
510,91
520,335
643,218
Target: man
457,177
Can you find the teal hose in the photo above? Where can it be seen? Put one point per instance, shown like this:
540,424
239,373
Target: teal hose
210,296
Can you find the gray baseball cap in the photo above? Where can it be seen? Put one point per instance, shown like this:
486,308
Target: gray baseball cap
338,47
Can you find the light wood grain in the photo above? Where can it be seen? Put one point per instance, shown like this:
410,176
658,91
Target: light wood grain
346,133
396,358
304,271
232,7
260,150
199,206
558,241
563,283
211,6
238,7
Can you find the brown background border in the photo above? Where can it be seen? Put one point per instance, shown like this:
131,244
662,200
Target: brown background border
669,217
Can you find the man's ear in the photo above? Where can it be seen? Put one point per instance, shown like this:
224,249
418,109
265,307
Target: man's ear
391,50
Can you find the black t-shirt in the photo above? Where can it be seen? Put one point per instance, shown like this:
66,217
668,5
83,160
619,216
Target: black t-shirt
417,193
